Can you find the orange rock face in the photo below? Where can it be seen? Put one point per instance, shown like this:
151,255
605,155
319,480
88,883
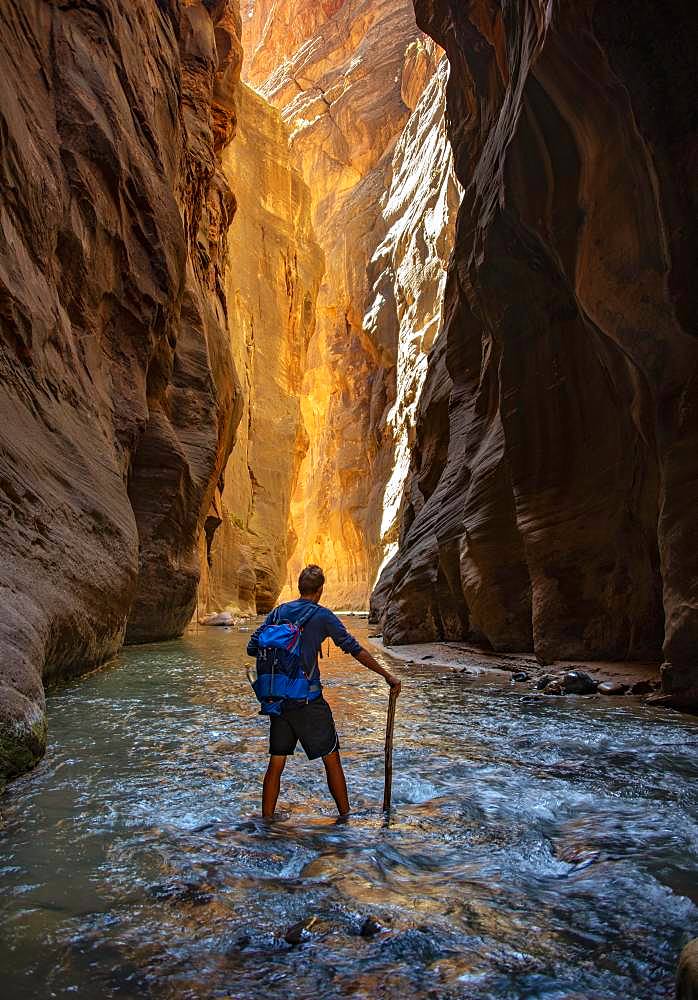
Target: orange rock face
272,293
346,77
117,388
552,491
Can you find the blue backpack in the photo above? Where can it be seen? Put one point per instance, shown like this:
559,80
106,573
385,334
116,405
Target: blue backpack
280,674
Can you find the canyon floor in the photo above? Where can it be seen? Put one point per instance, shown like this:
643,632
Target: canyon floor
476,662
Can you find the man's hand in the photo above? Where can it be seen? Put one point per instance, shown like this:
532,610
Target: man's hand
394,683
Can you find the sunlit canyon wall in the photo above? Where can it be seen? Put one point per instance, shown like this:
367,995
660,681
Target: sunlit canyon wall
361,91
552,494
118,393
272,287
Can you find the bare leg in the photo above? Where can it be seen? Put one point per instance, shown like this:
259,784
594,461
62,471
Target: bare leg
336,782
272,785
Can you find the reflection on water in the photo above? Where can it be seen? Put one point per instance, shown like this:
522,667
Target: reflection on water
542,851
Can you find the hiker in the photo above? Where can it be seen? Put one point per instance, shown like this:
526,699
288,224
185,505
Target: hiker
309,718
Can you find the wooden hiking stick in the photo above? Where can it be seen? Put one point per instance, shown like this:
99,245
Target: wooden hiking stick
388,788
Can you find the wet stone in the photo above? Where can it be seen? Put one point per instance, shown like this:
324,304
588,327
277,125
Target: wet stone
642,687
578,682
299,931
188,892
416,945
612,688
520,676
554,687
370,927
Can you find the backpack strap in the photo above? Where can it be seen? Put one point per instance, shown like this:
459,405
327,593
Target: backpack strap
303,620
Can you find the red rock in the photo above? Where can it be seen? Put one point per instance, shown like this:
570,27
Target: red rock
117,391
642,687
346,78
551,502
612,688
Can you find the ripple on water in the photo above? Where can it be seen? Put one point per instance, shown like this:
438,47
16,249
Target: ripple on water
535,850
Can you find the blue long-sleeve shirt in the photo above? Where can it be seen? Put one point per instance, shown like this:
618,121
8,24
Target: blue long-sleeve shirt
324,624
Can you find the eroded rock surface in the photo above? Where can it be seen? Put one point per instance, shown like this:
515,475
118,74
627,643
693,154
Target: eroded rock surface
272,293
117,388
551,500
347,77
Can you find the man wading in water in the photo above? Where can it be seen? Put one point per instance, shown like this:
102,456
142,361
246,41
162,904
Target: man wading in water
310,719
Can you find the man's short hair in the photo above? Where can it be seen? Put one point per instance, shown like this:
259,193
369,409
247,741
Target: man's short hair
311,580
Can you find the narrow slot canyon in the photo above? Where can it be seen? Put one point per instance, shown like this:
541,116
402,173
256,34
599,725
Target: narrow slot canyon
404,289
346,135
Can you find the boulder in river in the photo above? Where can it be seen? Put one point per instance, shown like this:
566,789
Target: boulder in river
642,687
612,688
578,682
571,682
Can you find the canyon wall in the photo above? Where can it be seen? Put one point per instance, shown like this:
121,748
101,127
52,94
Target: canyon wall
551,496
118,394
272,290
347,76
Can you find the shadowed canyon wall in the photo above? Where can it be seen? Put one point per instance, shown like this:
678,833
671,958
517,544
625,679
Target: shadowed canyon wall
347,77
552,493
272,287
118,393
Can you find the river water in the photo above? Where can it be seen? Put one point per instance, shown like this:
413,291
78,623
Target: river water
536,850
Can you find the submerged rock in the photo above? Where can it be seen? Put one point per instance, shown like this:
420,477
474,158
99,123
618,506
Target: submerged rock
370,927
299,931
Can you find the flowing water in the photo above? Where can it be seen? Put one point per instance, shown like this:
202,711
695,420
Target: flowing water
536,850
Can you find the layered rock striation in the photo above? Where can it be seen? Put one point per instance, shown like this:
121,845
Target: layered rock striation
551,497
272,293
408,275
118,394
347,77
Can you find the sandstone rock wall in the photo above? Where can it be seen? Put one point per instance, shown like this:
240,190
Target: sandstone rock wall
118,396
552,490
272,292
346,76
408,275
